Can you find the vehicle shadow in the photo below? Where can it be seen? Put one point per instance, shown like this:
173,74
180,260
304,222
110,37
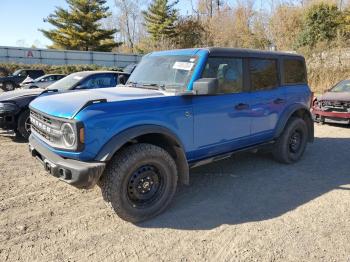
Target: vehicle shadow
11,136
253,187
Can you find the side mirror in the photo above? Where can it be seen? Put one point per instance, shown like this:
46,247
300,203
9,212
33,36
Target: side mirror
122,79
206,86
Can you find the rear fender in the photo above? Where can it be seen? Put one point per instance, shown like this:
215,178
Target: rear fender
297,110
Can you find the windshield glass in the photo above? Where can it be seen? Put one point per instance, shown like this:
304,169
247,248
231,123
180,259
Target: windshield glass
39,78
343,86
17,72
169,72
67,82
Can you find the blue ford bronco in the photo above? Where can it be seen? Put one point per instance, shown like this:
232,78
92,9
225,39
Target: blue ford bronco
179,109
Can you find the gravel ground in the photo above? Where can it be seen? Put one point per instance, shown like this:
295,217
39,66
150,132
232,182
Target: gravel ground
247,208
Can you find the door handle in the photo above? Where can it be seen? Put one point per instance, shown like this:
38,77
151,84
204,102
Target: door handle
241,106
279,101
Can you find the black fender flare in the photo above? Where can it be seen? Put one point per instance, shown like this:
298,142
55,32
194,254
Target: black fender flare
286,115
119,140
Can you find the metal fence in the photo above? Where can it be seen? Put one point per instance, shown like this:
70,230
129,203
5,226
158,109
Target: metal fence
56,57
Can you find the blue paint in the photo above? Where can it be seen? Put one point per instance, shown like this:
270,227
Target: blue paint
206,125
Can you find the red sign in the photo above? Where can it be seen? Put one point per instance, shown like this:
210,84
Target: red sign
30,54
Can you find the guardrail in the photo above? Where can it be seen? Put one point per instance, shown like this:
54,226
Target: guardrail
65,57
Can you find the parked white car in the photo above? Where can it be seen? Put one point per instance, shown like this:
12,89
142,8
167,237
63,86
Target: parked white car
43,81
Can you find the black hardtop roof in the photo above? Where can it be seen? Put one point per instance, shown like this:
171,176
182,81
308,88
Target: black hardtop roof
221,51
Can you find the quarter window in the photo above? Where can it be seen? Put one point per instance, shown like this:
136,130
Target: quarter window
294,71
228,71
263,74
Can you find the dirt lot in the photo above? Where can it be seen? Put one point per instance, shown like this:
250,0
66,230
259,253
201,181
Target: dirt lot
244,208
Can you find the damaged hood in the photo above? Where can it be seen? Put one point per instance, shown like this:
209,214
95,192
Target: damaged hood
66,105
335,96
19,93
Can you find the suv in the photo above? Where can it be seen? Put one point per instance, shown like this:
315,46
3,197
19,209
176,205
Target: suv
13,81
179,109
14,105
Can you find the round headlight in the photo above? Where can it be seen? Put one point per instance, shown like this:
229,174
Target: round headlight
68,134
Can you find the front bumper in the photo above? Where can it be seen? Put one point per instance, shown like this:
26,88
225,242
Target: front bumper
76,173
332,117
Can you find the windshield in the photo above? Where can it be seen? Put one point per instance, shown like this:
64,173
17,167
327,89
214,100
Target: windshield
67,82
168,72
17,72
128,69
343,86
39,78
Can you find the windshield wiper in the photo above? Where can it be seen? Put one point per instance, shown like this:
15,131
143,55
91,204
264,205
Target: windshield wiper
158,86
130,83
147,85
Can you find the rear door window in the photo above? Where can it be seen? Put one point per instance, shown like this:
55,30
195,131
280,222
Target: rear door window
294,71
263,74
228,71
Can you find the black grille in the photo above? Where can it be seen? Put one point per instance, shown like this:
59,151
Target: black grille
41,117
44,126
335,106
40,132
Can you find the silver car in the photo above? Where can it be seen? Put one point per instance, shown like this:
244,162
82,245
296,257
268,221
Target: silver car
43,81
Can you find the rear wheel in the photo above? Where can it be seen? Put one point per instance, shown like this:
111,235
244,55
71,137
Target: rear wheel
291,145
139,182
23,126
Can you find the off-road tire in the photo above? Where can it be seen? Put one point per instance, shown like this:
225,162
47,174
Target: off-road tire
22,125
8,86
115,182
283,150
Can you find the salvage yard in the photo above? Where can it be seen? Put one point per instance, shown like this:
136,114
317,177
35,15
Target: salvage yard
246,208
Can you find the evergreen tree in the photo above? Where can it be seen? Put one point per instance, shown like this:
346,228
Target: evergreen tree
80,28
160,20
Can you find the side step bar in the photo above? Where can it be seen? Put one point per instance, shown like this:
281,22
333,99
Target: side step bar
228,155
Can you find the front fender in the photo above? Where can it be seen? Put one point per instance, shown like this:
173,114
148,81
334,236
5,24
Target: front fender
116,142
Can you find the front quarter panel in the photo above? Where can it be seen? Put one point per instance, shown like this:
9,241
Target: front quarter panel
103,121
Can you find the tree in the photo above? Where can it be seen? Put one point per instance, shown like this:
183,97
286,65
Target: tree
128,21
285,25
80,28
160,21
207,7
322,23
189,33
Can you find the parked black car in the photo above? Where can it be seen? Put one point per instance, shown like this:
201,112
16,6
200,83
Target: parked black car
13,81
14,112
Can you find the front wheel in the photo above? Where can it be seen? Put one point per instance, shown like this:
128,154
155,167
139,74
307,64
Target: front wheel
23,125
139,182
290,146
